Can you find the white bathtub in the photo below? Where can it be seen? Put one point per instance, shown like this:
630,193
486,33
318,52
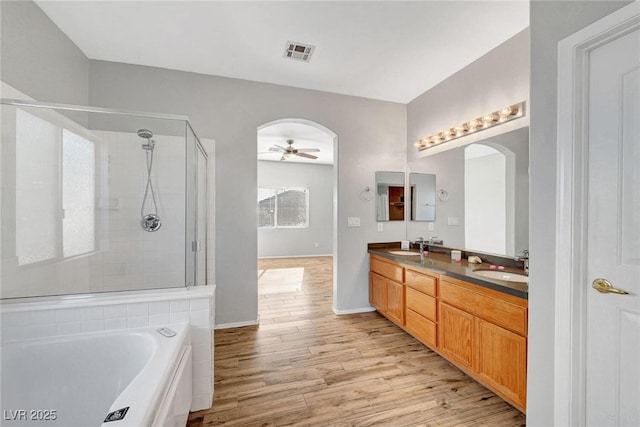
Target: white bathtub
78,380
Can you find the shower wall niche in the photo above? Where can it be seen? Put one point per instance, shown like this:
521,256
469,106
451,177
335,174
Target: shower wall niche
73,185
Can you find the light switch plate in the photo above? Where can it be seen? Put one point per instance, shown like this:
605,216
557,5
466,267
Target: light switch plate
380,226
430,226
353,221
452,220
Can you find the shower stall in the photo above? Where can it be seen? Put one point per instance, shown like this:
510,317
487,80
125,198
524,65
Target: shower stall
99,200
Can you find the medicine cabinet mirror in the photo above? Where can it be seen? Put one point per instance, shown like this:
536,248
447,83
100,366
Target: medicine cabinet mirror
390,198
422,193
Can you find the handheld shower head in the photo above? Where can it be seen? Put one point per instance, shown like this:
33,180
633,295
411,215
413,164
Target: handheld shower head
149,222
147,134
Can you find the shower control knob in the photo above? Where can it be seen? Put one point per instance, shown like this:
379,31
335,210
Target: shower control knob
151,222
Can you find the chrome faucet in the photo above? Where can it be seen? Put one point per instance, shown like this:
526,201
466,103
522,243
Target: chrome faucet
525,258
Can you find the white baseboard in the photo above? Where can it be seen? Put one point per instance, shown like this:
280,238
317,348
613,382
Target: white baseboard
293,256
238,324
353,310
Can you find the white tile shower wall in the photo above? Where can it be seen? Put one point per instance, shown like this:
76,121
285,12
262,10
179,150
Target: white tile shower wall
130,255
194,306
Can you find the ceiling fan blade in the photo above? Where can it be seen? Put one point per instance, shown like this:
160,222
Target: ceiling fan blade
305,155
308,150
281,148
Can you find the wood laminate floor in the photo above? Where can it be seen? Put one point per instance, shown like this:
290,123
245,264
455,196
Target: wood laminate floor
305,366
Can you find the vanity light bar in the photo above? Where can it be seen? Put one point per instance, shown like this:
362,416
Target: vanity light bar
485,122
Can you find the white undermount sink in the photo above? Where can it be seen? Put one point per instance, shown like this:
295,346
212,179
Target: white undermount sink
405,253
503,275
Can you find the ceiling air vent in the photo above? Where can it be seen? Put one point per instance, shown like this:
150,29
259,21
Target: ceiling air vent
299,51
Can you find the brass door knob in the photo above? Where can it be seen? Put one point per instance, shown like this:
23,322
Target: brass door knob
605,287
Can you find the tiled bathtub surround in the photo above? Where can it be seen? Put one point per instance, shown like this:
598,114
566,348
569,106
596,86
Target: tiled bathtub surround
55,316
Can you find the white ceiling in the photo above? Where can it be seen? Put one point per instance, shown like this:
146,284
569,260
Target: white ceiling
387,50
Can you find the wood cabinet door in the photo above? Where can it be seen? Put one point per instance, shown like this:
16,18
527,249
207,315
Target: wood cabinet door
377,291
455,334
502,361
395,302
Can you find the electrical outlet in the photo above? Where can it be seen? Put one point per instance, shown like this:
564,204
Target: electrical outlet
353,221
380,226
430,226
316,244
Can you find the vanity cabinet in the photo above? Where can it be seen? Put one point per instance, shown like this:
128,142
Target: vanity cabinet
386,289
480,330
484,332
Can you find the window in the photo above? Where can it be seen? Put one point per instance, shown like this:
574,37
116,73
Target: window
283,207
78,194
55,191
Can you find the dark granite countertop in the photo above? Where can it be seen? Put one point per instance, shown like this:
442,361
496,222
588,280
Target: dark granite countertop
439,263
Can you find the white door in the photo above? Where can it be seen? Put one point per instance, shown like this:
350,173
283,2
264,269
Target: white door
613,228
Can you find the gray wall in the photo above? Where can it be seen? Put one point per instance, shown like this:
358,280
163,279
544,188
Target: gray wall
279,242
550,22
38,58
371,137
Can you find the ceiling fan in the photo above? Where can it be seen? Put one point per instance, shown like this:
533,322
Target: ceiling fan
290,152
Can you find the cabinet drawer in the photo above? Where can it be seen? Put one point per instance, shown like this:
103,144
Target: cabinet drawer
471,299
422,304
387,269
420,281
421,328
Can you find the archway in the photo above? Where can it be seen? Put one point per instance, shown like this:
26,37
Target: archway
297,158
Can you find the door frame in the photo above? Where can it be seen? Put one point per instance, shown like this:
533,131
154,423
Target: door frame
571,209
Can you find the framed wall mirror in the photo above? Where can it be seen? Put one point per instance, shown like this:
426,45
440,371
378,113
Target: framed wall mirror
390,196
422,194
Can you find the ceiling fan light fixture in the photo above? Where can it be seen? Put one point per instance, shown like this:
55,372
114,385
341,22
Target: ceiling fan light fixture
288,156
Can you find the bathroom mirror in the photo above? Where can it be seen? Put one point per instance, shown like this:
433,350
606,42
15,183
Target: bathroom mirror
491,175
389,196
422,193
